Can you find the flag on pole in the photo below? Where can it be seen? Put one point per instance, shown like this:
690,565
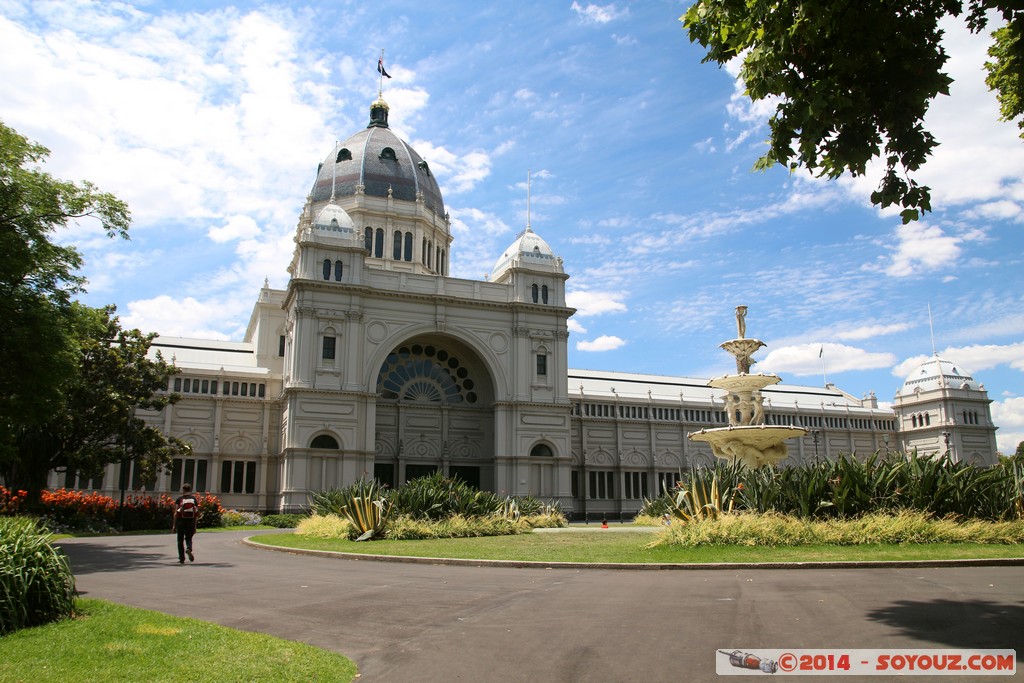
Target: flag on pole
821,350
380,68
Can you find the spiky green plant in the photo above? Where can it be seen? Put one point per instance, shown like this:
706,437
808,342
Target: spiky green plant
36,583
703,498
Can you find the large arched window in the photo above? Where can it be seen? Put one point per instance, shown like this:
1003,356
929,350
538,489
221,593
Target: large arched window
378,247
337,271
325,441
396,248
408,246
368,240
327,269
533,291
542,450
544,294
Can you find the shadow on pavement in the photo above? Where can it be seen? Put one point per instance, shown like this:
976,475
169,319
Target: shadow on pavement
973,624
91,558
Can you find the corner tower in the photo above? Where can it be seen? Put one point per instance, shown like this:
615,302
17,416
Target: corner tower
942,409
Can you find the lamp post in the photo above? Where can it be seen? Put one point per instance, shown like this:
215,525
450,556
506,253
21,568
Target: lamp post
814,437
885,438
125,463
945,439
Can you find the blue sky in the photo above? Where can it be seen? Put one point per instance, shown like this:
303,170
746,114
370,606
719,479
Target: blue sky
210,119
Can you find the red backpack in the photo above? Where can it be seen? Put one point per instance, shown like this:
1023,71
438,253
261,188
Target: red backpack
188,508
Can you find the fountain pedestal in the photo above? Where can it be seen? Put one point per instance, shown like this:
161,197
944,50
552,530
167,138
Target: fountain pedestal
747,439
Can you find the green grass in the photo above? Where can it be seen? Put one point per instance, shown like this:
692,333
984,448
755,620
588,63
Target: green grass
629,547
109,642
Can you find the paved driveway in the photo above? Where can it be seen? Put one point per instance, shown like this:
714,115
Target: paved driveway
421,622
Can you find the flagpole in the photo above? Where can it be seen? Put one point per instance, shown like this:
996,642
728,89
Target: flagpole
821,355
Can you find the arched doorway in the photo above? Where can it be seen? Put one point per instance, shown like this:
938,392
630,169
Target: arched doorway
435,411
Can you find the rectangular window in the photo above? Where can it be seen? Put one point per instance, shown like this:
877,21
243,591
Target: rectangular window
263,391
206,386
329,344
542,364
280,345
189,471
213,386
234,388
636,485
177,384
238,476
602,485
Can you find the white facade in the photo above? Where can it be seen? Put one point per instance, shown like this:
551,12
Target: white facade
374,363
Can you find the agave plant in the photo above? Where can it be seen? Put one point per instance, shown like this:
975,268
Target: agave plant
702,499
363,503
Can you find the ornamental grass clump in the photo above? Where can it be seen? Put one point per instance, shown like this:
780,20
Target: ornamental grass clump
36,583
775,529
325,526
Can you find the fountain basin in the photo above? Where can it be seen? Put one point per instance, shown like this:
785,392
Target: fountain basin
753,446
739,384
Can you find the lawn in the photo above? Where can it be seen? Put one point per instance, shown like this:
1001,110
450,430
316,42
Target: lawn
109,642
628,547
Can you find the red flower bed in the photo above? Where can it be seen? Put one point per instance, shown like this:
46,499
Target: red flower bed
80,510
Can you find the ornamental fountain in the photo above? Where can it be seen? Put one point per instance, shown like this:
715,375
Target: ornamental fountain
747,439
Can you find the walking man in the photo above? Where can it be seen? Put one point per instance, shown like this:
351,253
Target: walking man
186,512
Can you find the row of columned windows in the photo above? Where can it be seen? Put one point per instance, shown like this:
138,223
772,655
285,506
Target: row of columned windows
718,416
601,484
971,417
921,420
539,294
187,385
192,471
432,256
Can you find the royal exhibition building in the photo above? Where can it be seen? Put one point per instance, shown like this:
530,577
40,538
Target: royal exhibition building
373,362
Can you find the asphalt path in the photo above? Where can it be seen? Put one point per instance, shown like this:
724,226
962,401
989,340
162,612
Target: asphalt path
428,622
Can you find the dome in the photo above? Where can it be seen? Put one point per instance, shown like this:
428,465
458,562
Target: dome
333,217
528,251
377,160
937,373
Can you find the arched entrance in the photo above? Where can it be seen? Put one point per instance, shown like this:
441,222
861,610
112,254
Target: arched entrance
435,412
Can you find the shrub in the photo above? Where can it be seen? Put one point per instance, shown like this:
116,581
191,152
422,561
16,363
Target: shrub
436,497
405,528
240,518
210,512
284,521
849,487
12,503
36,583
325,526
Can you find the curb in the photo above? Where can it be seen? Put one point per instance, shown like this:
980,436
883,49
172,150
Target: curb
644,566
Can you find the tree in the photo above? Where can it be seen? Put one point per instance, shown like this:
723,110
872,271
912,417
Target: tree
96,421
855,79
70,377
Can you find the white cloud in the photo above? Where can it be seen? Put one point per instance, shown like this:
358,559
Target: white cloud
922,248
603,343
459,172
588,303
804,360
189,317
237,227
871,331
599,14
1008,415
575,326
480,237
